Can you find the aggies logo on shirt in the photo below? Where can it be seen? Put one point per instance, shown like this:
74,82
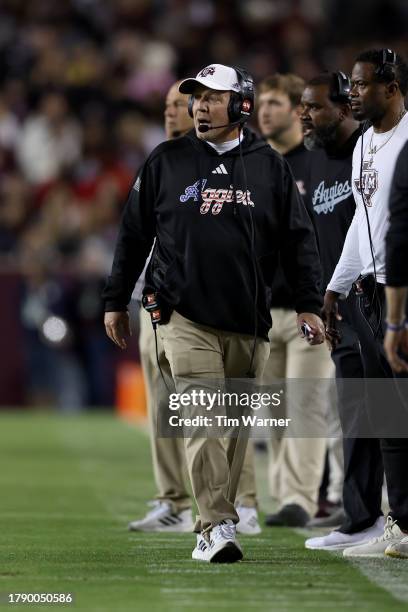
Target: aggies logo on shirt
213,198
325,198
369,180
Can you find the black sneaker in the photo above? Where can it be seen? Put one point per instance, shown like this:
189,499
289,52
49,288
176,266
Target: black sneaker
335,519
291,515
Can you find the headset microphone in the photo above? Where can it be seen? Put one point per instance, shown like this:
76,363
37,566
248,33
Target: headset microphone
206,127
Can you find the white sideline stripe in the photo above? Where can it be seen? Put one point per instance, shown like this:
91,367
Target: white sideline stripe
385,574
51,515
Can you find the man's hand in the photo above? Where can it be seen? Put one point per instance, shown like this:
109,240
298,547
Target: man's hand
315,323
117,327
395,342
330,315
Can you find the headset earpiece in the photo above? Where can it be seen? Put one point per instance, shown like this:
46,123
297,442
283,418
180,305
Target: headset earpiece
190,105
241,104
388,64
342,87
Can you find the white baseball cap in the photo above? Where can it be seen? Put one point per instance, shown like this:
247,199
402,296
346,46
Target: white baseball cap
215,76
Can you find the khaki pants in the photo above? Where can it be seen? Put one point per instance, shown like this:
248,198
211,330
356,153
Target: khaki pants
168,454
197,356
296,464
169,466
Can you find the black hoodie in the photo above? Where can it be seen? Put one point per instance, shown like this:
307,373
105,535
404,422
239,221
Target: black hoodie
298,160
193,201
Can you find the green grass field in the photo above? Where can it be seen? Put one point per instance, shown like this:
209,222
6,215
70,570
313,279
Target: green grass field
68,487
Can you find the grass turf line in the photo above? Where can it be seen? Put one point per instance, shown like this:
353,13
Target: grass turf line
69,485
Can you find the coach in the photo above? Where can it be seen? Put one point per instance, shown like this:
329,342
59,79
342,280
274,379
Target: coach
221,204
379,85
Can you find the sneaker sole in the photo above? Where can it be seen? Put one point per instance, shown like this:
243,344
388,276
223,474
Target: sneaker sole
196,557
365,556
230,553
333,547
396,554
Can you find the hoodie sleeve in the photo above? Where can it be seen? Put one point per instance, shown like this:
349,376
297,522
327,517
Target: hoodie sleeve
134,242
397,236
299,253
349,265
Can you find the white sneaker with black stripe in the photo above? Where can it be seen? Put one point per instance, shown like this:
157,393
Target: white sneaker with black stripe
224,547
248,521
200,553
161,518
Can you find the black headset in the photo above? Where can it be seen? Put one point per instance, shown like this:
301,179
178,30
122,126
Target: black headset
386,70
241,104
341,87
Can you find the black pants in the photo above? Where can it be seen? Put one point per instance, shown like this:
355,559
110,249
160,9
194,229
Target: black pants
368,451
363,466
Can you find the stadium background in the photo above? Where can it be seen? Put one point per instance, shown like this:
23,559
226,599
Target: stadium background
69,484
99,71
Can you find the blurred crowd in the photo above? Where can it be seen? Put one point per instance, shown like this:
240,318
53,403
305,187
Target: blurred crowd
82,87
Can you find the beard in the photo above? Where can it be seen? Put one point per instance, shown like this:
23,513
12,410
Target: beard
322,137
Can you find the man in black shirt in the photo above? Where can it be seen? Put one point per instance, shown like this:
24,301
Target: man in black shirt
221,205
279,123
396,254
396,257
295,463
331,131
171,510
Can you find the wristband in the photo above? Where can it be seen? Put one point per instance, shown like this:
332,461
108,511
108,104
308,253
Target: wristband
394,327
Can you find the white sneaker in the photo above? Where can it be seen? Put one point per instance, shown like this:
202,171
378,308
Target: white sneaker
161,518
248,521
336,540
224,547
200,553
376,547
398,549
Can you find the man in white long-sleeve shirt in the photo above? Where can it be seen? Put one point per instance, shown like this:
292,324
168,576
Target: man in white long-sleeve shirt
379,85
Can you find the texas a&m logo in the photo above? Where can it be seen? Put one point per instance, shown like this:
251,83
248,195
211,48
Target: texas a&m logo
193,191
206,71
214,199
369,180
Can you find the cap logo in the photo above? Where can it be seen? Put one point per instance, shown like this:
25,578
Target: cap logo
206,71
